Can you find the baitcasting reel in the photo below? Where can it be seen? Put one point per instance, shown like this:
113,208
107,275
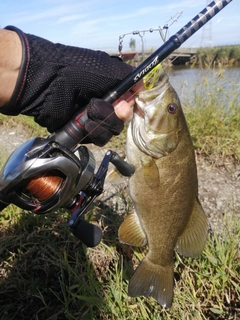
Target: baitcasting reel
74,185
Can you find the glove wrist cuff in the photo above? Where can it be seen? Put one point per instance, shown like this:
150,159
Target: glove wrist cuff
9,108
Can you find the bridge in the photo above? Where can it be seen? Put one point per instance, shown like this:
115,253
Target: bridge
179,56
183,56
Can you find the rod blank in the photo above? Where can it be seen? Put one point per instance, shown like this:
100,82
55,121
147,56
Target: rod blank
166,49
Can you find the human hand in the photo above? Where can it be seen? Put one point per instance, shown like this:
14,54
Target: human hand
105,120
56,81
123,107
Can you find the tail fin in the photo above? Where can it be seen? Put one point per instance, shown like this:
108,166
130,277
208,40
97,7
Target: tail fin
153,280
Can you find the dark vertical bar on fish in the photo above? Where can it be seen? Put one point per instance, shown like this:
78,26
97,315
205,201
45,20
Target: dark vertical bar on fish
166,49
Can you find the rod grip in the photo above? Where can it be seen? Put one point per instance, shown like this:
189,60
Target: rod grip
72,132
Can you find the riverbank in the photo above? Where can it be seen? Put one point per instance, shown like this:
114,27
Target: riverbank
223,56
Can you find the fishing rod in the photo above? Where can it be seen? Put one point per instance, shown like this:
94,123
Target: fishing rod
71,134
68,171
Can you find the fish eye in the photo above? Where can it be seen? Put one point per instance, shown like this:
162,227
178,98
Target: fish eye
172,108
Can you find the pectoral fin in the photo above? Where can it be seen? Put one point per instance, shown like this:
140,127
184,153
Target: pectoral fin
192,241
114,177
130,231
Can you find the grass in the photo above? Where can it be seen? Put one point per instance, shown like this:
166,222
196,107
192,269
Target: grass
214,121
20,124
47,274
222,56
30,127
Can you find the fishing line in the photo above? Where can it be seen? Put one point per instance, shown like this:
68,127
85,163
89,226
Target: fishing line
71,134
154,75
174,42
232,9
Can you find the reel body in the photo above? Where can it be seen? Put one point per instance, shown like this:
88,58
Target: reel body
36,157
78,185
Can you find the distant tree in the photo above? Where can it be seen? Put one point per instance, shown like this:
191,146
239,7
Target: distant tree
132,44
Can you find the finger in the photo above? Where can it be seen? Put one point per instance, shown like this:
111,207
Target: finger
124,111
123,107
139,86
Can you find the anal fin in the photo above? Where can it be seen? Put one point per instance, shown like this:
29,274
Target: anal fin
130,231
193,239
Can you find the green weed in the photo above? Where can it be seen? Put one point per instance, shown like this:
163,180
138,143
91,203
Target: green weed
213,116
23,123
224,55
46,273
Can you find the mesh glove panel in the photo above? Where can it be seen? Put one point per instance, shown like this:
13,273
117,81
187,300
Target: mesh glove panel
56,80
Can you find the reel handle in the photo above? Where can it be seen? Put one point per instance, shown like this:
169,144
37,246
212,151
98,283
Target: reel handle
123,167
90,234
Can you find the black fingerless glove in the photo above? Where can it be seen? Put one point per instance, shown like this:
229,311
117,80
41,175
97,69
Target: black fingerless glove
56,80
102,123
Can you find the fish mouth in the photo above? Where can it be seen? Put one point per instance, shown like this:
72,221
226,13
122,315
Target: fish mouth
145,99
143,140
148,132
153,142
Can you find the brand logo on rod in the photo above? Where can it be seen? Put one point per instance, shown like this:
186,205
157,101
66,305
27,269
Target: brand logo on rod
146,70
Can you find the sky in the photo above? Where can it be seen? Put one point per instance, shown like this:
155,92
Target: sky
97,24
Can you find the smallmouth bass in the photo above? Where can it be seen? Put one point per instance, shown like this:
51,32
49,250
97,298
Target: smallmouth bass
164,189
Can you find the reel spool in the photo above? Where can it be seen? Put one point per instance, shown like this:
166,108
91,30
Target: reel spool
44,187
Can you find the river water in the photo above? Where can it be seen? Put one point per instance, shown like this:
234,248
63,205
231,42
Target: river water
189,81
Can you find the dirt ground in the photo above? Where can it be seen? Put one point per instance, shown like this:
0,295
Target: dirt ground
219,180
